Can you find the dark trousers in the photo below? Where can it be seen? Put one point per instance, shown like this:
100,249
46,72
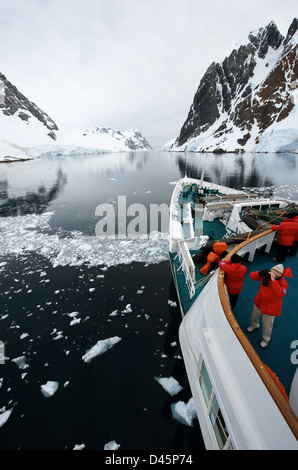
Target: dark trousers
293,249
281,252
233,299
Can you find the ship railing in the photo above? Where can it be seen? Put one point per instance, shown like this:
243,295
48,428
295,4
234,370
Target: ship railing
285,409
187,266
255,243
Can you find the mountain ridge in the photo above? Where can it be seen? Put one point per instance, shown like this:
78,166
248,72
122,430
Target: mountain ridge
239,99
26,132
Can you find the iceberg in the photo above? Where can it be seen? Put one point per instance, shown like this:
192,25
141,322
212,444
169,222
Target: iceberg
185,413
49,388
100,348
169,384
20,362
79,447
112,445
4,417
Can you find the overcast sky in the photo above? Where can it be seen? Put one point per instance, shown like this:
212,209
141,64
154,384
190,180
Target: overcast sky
124,63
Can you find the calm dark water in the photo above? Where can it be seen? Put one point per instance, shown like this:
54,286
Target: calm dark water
63,290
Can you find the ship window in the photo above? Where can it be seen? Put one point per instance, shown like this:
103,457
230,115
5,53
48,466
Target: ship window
205,384
218,424
216,417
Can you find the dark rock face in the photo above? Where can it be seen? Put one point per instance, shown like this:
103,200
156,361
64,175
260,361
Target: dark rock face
15,102
229,89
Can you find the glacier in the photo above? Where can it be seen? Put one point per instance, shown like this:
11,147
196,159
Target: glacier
76,142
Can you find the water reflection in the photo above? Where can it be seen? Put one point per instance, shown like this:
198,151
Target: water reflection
35,201
241,171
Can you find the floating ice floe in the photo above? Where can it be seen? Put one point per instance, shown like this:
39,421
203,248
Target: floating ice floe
49,388
112,445
127,309
20,362
169,384
4,415
185,413
74,248
100,347
79,447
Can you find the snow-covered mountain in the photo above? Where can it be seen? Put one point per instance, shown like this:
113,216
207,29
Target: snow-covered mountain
26,132
90,141
249,101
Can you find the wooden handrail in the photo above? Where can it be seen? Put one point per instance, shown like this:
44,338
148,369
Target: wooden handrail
287,412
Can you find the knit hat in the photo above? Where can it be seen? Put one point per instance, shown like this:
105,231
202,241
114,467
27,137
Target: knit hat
278,270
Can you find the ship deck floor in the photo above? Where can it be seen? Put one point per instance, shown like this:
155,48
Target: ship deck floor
277,355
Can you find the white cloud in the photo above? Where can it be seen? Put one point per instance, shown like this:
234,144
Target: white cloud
123,63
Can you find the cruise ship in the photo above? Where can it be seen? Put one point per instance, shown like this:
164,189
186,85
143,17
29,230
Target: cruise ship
246,396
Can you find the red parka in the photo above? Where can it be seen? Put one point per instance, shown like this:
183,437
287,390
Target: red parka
234,275
296,235
288,231
269,299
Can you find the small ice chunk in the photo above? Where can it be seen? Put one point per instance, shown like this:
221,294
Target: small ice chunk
169,384
73,314
112,445
59,334
100,347
21,362
85,247
127,309
4,417
79,447
185,413
49,388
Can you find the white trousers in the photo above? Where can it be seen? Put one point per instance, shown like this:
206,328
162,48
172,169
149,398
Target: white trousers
267,323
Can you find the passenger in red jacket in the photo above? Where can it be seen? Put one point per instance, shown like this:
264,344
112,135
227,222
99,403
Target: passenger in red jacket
293,250
287,231
234,277
268,301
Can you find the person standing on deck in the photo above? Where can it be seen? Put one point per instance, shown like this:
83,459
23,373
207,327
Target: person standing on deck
234,277
287,230
268,301
293,250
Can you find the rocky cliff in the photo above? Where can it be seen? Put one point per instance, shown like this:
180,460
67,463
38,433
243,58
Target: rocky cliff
248,102
14,103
